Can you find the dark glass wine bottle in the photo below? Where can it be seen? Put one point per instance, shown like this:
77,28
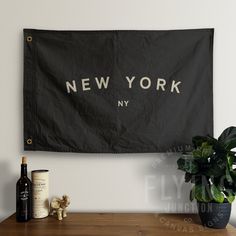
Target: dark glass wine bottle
23,195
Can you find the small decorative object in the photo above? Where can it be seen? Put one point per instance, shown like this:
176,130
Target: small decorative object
59,205
210,167
40,193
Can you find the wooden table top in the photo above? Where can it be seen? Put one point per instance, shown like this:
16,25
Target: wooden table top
113,224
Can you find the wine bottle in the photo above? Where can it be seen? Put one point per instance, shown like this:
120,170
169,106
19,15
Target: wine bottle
23,195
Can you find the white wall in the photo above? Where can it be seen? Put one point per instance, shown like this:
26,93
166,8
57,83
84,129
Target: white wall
102,182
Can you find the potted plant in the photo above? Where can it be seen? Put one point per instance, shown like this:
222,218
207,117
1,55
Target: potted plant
209,167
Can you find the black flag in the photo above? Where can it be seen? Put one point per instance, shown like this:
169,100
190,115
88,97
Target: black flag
117,91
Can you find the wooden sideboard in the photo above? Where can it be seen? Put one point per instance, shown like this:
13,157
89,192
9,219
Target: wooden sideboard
113,224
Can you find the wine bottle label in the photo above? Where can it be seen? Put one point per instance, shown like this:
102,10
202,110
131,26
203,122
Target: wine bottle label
24,195
40,193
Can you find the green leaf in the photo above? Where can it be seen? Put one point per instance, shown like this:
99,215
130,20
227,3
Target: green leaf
230,144
198,140
228,176
230,158
203,152
230,198
192,192
217,195
201,193
228,138
207,150
217,166
197,153
229,195
188,165
187,177
197,192
196,179
227,133
233,173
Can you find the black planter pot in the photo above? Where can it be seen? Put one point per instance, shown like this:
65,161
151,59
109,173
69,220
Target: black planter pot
214,215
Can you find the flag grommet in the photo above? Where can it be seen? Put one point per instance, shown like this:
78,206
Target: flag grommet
29,141
29,39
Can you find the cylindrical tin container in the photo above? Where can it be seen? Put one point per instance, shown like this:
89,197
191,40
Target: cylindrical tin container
40,181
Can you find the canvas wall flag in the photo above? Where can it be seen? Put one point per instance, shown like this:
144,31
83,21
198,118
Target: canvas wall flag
117,91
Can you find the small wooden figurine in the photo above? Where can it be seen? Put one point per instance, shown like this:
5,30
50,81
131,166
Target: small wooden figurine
59,205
